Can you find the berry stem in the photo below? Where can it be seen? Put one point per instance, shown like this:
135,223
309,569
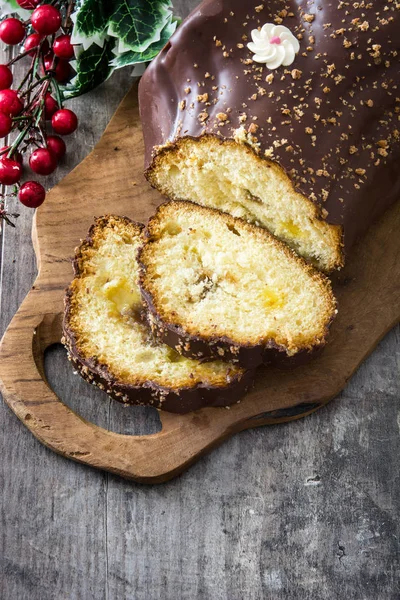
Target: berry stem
40,117
31,103
32,87
56,88
5,216
68,13
20,118
21,55
43,135
32,71
26,77
19,138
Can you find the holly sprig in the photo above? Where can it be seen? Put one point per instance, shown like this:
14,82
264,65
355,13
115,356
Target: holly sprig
69,47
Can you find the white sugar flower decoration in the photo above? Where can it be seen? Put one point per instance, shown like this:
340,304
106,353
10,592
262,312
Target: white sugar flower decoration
273,45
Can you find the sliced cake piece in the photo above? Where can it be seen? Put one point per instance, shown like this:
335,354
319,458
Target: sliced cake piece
108,339
216,286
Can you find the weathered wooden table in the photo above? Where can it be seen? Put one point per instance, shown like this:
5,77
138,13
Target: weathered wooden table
307,510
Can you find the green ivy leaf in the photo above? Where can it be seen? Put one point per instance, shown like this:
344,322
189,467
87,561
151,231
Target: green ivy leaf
138,23
91,17
92,68
139,29
133,58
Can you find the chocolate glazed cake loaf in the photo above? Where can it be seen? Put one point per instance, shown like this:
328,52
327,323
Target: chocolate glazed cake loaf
283,113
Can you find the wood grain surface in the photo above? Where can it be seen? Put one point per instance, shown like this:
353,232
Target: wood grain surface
308,510
367,291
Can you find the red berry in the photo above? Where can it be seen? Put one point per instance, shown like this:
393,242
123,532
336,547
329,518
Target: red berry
10,103
50,106
46,19
28,4
62,70
10,171
12,31
5,124
56,145
31,194
48,61
33,41
42,161
6,77
63,48
15,155
64,121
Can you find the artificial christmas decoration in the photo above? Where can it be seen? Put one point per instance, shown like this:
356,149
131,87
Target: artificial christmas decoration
69,47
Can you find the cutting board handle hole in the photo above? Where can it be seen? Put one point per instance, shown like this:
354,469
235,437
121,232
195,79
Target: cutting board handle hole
91,403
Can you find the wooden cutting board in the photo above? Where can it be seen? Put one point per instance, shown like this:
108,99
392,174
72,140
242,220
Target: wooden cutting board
368,292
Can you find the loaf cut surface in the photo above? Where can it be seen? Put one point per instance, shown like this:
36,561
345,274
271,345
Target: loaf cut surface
218,286
230,176
110,343
309,149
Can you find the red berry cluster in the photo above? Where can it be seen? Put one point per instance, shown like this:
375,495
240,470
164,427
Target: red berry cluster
47,41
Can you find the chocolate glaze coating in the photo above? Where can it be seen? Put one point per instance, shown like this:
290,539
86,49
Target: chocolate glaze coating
331,119
179,401
182,400
248,357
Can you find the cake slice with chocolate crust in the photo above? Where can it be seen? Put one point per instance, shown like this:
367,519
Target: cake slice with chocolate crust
108,339
216,286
